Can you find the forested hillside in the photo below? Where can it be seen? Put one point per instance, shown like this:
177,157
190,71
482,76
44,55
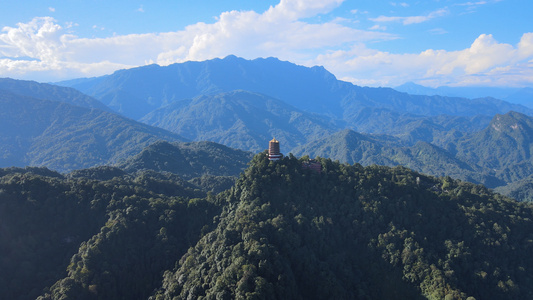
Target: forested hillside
132,227
282,231
51,92
189,160
65,137
496,156
240,119
358,233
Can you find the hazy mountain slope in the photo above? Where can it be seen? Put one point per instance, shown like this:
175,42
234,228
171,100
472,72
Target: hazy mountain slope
361,97
412,128
240,119
64,137
523,96
189,159
497,155
466,92
508,140
134,92
50,92
521,190
433,160
350,147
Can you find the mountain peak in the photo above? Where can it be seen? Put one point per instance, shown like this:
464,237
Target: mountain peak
511,121
514,128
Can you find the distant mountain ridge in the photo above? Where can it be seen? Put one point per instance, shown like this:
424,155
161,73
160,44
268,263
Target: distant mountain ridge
244,103
46,91
523,96
135,92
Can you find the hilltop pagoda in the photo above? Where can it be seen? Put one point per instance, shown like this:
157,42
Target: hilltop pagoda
273,150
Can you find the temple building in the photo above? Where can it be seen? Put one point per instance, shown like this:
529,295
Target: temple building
312,165
273,150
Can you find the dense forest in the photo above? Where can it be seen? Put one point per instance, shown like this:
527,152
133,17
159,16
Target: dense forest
280,232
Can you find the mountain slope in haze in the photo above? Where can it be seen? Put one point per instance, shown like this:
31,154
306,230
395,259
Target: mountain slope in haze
239,119
135,92
506,142
189,160
498,155
412,128
470,92
521,190
350,147
64,137
50,92
522,96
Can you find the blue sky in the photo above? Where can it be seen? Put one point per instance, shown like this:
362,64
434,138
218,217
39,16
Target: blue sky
371,43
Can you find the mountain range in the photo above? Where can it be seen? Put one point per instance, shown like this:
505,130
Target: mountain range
200,101
138,91
307,109
298,105
146,197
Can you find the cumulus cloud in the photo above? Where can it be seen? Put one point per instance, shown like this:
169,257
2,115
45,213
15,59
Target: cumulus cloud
292,10
485,62
41,39
276,32
43,50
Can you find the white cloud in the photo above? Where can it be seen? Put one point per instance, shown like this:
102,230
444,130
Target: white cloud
378,27
41,39
292,10
485,62
472,3
51,9
140,9
412,19
43,50
437,31
276,32
402,4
